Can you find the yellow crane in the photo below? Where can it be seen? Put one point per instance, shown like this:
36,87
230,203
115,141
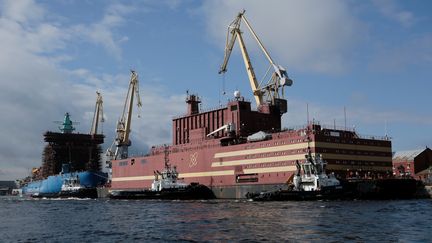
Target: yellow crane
98,114
122,141
271,91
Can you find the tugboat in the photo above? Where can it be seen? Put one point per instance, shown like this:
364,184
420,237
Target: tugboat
167,185
72,188
310,182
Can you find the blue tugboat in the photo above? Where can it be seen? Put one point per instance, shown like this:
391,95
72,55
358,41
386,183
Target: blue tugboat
71,165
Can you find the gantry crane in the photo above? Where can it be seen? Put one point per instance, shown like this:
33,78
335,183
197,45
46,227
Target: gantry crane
98,114
123,129
273,90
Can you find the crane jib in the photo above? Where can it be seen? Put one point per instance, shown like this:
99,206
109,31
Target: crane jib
271,91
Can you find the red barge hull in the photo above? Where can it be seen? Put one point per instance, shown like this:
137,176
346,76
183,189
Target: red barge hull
231,166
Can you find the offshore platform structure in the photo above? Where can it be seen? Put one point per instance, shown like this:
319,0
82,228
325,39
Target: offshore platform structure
80,151
120,145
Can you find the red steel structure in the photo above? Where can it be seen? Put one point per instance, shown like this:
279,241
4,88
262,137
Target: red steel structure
231,165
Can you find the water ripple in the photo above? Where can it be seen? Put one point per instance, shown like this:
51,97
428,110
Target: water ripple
214,221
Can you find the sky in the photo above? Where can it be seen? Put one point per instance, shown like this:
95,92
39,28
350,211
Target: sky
372,58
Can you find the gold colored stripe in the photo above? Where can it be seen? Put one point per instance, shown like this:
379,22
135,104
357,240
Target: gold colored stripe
263,150
133,178
302,146
351,147
300,157
356,157
182,175
270,169
208,173
259,160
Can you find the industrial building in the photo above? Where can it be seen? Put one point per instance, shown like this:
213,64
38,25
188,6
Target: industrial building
416,163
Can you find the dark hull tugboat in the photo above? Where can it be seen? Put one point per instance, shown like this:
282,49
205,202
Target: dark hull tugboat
72,188
167,186
310,182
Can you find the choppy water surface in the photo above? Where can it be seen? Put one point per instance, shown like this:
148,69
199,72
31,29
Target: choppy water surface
26,220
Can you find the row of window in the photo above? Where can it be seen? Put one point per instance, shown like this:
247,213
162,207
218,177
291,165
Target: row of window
278,143
123,163
370,153
296,151
358,142
272,164
350,162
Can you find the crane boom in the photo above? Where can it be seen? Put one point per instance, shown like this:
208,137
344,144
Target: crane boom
273,90
98,114
232,29
250,71
125,120
122,141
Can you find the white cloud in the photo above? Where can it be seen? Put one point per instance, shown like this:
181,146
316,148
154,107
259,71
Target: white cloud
390,10
306,35
37,89
402,56
21,11
102,32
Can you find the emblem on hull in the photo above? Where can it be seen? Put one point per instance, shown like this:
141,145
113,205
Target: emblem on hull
193,160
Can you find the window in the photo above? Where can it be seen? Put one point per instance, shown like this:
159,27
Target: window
123,163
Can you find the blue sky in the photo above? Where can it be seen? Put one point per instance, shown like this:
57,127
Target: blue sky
372,57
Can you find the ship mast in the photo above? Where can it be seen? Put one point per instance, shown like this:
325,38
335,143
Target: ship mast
166,157
122,141
273,90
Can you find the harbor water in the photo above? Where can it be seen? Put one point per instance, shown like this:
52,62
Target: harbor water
103,220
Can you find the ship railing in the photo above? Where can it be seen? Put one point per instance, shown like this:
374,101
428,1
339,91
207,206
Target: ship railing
352,129
160,147
201,111
219,107
181,147
342,128
294,128
383,138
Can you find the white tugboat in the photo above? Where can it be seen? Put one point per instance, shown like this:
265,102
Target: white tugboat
168,178
72,187
314,177
310,182
167,185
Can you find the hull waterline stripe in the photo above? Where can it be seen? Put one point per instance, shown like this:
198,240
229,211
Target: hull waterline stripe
208,173
181,175
259,160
